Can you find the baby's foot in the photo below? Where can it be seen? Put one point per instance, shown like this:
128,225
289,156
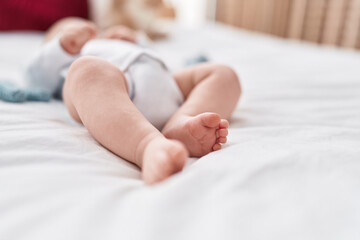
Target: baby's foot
75,36
162,158
201,134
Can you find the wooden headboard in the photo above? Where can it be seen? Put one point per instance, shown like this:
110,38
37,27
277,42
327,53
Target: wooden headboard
333,22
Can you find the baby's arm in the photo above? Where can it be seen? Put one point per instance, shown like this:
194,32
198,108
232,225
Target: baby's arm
45,67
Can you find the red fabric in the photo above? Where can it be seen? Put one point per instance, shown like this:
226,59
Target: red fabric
38,14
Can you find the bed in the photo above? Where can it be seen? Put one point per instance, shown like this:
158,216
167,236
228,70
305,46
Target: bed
291,168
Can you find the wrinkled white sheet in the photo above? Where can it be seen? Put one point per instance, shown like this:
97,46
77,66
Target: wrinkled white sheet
291,169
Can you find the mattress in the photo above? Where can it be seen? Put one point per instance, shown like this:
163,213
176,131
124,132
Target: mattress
291,168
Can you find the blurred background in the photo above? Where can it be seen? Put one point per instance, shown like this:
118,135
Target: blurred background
334,22
331,22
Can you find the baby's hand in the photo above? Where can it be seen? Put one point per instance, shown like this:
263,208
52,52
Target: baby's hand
76,35
120,33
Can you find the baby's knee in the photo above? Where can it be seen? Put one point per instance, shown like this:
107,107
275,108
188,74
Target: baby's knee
92,69
85,65
88,72
228,76
226,72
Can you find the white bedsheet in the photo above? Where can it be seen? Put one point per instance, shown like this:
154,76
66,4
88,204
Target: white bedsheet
291,169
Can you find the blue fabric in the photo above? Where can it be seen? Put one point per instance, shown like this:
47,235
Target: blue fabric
37,94
197,60
9,92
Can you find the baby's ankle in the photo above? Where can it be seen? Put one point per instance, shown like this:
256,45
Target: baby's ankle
163,158
139,154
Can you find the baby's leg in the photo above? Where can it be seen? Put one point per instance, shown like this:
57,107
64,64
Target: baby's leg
95,93
211,92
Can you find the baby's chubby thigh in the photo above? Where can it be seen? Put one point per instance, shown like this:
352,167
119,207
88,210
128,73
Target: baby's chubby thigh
156,95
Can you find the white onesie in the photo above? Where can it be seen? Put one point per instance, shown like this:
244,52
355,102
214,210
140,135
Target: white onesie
151,86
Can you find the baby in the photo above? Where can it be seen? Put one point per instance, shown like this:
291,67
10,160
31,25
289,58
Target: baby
128,100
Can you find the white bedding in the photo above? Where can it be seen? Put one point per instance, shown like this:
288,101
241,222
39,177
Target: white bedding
291,169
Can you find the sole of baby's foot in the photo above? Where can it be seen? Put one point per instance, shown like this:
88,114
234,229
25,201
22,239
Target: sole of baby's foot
162,158
201,134
75,36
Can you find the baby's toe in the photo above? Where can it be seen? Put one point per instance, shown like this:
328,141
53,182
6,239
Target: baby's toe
224,123
210,120
222,133
222,140
216,147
